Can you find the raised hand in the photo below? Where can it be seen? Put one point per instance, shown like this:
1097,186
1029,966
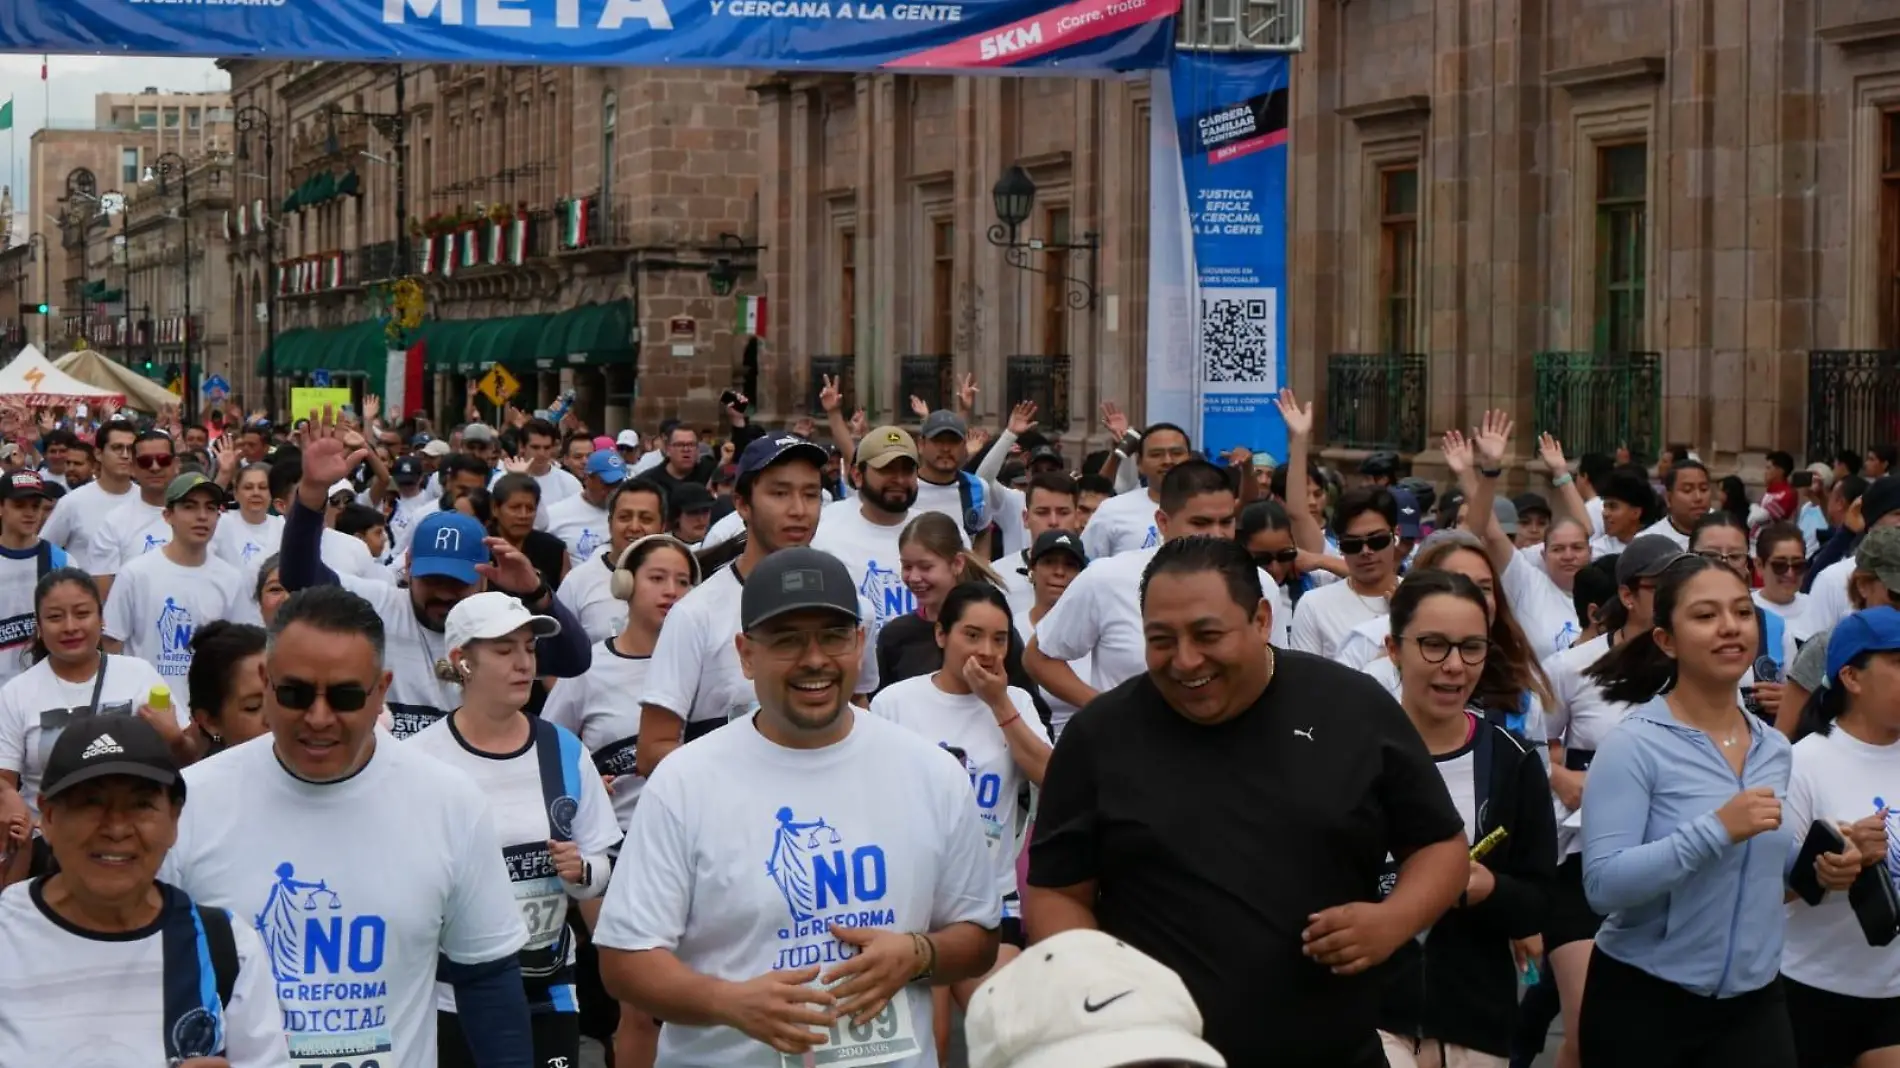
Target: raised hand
966,395
829,395
1113,420
510,572
1457,452
372,407
918,408
1022,418
514,465
975,440
805,426
1492,438
1551,451
330,451
1298,417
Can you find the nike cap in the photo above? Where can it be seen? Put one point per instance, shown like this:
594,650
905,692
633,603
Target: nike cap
94,747
1083,999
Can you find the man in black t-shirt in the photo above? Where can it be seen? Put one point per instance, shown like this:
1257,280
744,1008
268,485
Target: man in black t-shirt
1228,813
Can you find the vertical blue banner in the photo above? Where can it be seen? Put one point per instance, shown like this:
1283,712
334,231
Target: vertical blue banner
1229,215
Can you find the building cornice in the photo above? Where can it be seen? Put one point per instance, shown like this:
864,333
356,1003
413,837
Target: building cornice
1596,76
1863,33
1390,109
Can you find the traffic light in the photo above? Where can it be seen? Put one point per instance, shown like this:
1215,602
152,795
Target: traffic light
148,368
29,308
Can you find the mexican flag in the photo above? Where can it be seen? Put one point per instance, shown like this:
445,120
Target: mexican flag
494,243
574,227
751,317
243,223
448,255
428,255
336,270
518,241
471,255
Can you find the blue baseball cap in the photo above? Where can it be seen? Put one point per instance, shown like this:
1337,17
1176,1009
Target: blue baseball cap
768,450
1408,511
606,465
448,545
407,471
1875,630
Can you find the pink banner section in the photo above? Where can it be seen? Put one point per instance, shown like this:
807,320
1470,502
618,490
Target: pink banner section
1061,27
1247,147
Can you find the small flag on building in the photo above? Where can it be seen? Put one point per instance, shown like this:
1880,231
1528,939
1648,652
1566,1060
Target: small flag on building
224,225
471,254
283,281
448,255
518,241
6,115
574,226
336,270
243,222
751,317
428,255
494,243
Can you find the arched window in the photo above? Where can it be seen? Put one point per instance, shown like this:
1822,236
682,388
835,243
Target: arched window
609,117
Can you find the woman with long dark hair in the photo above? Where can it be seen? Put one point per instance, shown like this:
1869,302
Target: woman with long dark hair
227,684
1684,848
1844,994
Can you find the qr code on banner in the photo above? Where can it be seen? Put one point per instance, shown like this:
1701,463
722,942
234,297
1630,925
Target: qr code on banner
1239,339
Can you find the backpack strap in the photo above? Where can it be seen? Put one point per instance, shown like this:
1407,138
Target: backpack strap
1481,775
222,945
970,495
558,752
43,557
1773,631
194,991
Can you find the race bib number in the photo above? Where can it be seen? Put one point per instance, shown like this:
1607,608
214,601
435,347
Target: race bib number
538,892
890,1036
382,1061
361,1049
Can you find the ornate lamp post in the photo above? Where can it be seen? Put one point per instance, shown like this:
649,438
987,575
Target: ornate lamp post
252,119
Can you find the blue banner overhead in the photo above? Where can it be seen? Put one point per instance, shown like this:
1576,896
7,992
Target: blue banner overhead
1085,36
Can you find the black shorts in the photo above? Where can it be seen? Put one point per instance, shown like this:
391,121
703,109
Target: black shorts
1831,1030
1011,932
1570,919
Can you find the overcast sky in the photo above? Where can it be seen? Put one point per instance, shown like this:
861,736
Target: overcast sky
74,81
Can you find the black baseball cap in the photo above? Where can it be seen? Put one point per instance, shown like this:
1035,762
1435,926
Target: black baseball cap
1045,454
689,497
796,580
1646,557
768,450
1529,504
94,747
1058,541
1881,498
23,484
407,471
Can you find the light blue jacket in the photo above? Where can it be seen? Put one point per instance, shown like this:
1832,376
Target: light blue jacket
1680,900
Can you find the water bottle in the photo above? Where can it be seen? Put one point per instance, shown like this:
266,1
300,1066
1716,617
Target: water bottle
561,405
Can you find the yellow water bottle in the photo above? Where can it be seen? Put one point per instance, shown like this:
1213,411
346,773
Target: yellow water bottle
160,699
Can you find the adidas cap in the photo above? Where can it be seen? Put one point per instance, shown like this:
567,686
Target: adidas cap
94,747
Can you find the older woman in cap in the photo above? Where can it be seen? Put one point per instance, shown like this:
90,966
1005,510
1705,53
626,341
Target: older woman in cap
101,964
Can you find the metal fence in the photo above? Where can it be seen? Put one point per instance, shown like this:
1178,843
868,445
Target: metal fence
928,378
1045,380
1853,400
377,262
842,368
1376,401
1601,401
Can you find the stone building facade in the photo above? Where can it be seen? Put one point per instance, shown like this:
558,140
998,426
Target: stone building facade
626,180
1716,185
878,206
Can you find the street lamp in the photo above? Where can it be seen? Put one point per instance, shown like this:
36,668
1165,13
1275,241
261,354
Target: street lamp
82,188
170,165
250,118
1014,197
36,252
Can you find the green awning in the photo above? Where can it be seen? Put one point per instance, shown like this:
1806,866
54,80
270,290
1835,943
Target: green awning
510,341
294,200
288,345
550,349
444,340
602,334
350,184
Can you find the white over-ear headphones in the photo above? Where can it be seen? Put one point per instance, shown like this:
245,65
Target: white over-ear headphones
621,585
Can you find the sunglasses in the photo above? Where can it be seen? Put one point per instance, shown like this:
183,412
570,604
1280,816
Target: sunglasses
1277,556
343,697
1784,568
153,463
1375,543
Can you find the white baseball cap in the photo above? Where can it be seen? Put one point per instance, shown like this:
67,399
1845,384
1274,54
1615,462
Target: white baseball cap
627,439
1082,999
493,615
437,448
341,486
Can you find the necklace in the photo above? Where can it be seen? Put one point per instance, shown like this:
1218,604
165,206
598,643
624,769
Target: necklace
1729,739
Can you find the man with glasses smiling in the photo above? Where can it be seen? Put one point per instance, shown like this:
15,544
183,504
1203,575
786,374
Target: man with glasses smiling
800,879
78,523
358,912
139,526
1366,523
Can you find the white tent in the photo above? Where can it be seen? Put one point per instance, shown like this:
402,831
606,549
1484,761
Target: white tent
96,369
30,380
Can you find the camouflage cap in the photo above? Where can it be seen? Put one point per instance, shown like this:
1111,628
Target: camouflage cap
1879,555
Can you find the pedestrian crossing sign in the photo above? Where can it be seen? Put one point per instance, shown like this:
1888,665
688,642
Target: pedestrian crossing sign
498,385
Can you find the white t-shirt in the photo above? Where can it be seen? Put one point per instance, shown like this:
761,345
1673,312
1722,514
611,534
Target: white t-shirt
19,623
1581,717
136,528
1839,778
157,605
964,722
78,525
401,537
353,907
36,705
1547,614
1060,711
948,499
647,462
695,672
1664,528
556,486
1603,545
1017,588
727,528
587,591
1009,508
581,525
1124,523
246,546
1795,618
1594,509
869,550
1327,614
747,851
346,555
1828,602
524,823
416,697
83,1000
596,706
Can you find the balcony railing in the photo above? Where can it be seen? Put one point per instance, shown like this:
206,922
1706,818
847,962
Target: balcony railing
1376,401
1044,380
842,368
378,261
928,378
1601,401
1853,400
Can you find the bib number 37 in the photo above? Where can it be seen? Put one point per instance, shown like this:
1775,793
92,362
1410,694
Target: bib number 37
887,1037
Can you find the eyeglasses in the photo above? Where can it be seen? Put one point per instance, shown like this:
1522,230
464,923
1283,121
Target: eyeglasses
1436,647
120,449
1731,560
1277,556
153,463
1376,543
1784,568
342,697
791,644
